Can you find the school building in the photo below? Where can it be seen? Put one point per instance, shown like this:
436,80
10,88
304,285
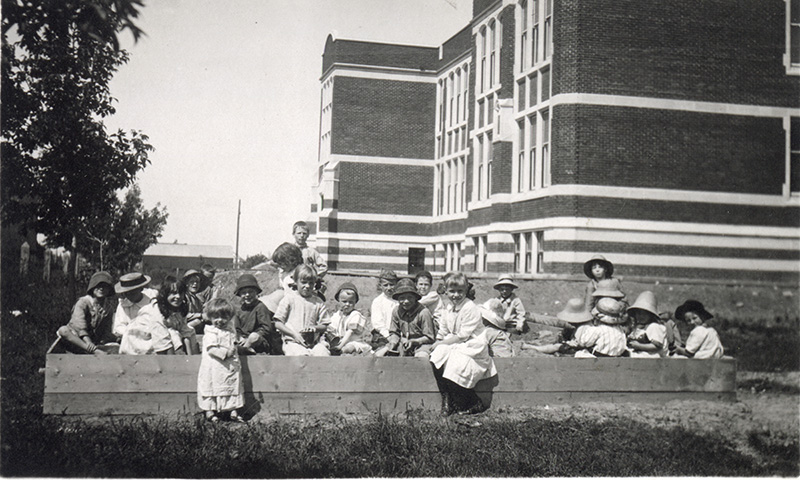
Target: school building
663,134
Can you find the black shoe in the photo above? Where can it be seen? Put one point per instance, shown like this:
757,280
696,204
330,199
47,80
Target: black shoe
447,405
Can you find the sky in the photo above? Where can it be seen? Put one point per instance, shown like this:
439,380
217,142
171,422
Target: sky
229,91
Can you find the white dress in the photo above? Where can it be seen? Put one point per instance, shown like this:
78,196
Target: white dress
219,381
467,361
703,343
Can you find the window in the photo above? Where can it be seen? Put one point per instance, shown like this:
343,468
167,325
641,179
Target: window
545,148
547,46
441,106
545,84
463,172
490,107
465,78
521,156
793,36
539,252
450,110
533,98
794,155
482,50
476,254
523,39
535,33
479,163
528,259
458,95
489,157
492,54
532,156
517,252
480,113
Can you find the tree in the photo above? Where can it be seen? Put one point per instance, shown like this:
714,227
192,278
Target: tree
61,169
253,260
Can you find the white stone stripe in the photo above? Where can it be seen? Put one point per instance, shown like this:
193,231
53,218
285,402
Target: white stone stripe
379,73
382,217
372,237
387,245
404,162
672,104
621,236
683,261
370,259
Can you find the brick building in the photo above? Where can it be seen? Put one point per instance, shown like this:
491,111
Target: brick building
663,134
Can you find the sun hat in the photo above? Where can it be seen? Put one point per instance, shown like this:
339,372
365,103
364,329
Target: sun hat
587,267
246,280
608,287
610,311
575,312
692,306
505,279
646,301
493,311
131,281
405,285
388,275
190,273
346,286
97,279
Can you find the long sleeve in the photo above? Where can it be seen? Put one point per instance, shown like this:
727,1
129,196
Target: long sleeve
81,317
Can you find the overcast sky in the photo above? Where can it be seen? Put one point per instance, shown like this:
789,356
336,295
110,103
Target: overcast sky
229,92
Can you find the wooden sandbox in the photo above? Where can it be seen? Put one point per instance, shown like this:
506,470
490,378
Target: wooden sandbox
124,385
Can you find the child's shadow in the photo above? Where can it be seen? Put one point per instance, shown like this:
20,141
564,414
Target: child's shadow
252,405
485,389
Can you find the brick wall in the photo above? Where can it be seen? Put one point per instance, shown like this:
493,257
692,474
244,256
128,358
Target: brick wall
383,118
635,147
501,167
478,6
507,55
386,189
714,50
381,54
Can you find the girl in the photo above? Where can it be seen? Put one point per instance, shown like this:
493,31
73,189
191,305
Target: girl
348,327
607,338
286,258
499,342
302,317
91,322
382,308
191,283
460,355
219,381
703,341
597,269
514,310
149,333
649,339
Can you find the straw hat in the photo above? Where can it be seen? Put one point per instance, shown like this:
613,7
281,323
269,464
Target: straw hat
646,301
692,306
189,273
245,281
608,287
610,311
575,312
131,281
493,311
405,285
346,286
505,279
587,267
97,279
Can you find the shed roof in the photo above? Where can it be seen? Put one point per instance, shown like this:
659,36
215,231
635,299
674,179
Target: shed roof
186,250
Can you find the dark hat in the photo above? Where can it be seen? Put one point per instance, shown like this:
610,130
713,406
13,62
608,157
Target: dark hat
346,286
97,279
246,280
692,306
131,281
406,285
587,267
388,275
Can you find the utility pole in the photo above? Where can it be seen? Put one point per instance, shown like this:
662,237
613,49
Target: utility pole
238,218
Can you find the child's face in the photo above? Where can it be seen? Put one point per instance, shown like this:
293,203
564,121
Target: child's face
133,295
407,301
642,319
193,283
505,290
220,322
598,271
387,287
101,291
300,235
174,299
305,286
423,286
347,301
693,319
249,295
456,293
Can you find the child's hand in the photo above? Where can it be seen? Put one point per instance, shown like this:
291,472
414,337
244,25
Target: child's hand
408,344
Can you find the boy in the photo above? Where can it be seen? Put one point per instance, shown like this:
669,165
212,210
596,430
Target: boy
311,256
515,311
253,324
303,317
411,330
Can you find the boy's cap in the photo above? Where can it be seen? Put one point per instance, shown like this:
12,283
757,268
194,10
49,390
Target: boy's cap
611,310
587,267
575,312
388,275
505,280
405,285
97,279
494,312
692,306
346,286
646,301
131,281
246,280
608,287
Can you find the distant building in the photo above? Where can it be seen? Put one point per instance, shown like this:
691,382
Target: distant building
176,258
663,134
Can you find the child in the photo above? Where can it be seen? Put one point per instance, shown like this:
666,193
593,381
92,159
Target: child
674,339
649,339
131,288
208,289
91,322
579,318
460,355
149,332
608,288
703,341
514,310
430,298
348,328
492,312
598,269
607,338
219,381
382,308
411,331
191,285
253,321
302,317
311,256
171,310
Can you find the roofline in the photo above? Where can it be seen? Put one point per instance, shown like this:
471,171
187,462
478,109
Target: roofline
358,66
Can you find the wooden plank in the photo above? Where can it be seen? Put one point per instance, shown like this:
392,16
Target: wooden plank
152,373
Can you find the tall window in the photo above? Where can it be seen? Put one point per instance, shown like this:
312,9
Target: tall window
545,148
479,163
463,172
532,156
548,29
535,33
517,252
793,36
539,251
458,96
528,249
489,158
465,79
482,40
476,254
794,155
521,159
493,52
523,39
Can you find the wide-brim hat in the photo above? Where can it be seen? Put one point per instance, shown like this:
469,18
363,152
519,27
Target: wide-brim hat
388,275
610,311
244,281
131,281
97,279
505,280
587,267
190,273
575,312
493,311
405,285
608,287
692,306
646,301
346,286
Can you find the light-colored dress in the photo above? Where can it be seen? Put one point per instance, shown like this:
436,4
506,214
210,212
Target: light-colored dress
656,334
381,314
127,311
704,343
355,321
146,334
604,340
467,361
300,313
219,381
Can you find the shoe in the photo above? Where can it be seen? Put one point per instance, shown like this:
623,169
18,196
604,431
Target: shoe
478,407
236,418
447,405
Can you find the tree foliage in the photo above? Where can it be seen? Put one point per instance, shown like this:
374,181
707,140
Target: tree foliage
61,169
253,260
